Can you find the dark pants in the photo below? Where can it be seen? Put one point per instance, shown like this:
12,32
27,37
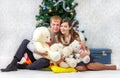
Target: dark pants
83,64
36,64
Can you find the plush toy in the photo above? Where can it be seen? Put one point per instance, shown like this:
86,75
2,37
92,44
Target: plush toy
75,45
41,37
71,61
58,51
55,51
66,53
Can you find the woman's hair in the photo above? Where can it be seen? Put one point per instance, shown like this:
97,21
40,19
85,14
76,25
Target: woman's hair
73,33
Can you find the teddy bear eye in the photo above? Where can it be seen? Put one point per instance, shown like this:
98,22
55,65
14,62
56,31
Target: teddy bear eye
46,36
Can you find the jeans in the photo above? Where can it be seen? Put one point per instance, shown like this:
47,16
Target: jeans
36,64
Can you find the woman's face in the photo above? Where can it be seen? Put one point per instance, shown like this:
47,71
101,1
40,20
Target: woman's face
64,28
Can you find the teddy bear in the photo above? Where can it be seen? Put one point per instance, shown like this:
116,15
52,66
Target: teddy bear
55,51
77,50
58,51
66,53
41,37
69,61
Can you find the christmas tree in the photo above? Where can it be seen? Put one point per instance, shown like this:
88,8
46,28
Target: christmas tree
63,8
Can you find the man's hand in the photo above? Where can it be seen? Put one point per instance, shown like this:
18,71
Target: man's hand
41,54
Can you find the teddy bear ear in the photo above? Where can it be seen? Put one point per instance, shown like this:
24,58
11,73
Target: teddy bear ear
35,34
61,45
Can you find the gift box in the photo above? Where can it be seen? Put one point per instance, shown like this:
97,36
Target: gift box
102,55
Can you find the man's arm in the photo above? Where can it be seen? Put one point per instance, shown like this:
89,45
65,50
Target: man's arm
42,54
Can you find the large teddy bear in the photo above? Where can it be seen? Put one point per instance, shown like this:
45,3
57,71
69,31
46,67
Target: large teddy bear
41,37
41,44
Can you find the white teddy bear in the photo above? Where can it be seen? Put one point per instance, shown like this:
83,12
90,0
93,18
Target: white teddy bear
67,51
41,37
75,45
69,61
58,51
55,51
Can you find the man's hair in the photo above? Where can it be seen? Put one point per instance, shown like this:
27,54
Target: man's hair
55,17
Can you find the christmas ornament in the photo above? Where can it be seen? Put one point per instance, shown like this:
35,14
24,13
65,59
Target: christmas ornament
44,8
71,13
50,10
73,3
66,9
56,9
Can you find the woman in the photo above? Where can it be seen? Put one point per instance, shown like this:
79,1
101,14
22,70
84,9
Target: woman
67,35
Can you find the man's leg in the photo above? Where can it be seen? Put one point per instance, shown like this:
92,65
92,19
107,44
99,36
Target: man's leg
98,66
41,63
21,50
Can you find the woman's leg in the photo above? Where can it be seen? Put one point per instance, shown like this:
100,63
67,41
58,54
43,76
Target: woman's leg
98,66
81,68
21,50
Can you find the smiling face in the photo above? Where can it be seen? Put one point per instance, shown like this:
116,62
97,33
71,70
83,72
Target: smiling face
55,26
55,22
65,28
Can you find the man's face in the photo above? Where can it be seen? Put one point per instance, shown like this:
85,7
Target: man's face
55,26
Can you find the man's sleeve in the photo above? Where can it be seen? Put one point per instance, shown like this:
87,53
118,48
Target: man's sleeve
31,46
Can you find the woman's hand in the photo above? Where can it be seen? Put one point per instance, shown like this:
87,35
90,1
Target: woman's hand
82,43
82,53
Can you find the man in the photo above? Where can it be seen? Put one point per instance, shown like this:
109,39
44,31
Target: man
55,22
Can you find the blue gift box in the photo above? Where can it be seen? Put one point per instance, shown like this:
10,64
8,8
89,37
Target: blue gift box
102,55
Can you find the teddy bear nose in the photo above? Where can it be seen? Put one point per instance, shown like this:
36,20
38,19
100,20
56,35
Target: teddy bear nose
50,39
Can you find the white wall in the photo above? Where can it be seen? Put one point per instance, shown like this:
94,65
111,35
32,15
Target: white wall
17,22
101,21
99,18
